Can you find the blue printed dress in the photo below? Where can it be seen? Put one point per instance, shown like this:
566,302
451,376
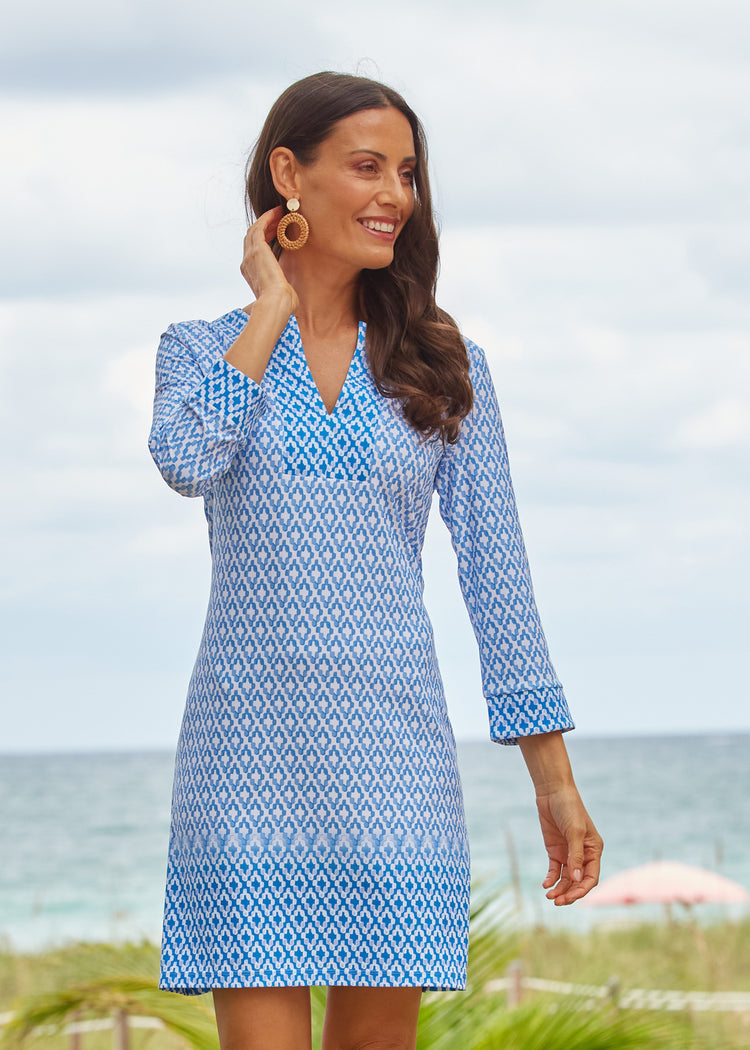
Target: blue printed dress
318,834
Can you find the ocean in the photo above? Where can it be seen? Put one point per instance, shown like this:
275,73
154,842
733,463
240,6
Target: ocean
84,836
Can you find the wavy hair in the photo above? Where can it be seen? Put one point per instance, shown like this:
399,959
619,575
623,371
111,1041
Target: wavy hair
415,349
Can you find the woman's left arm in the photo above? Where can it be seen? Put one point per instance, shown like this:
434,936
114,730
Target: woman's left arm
477,502
573,844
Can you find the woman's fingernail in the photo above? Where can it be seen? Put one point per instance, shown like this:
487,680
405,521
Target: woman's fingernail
577,875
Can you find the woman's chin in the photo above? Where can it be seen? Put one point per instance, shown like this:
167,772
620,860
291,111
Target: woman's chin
380,259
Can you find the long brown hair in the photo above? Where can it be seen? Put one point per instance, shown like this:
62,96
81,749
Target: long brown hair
415,349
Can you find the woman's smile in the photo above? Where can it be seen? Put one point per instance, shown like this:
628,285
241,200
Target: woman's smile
383,228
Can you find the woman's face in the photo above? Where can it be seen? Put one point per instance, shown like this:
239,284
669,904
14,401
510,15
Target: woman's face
358,193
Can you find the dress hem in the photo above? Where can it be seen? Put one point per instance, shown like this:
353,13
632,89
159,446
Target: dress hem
312,983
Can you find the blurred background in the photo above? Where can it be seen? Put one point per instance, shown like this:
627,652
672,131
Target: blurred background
591,165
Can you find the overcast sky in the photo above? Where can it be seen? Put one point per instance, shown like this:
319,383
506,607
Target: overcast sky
592,169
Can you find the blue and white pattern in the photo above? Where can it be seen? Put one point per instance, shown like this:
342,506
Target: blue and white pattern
318,833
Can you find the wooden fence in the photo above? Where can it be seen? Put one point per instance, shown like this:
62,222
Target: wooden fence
515,984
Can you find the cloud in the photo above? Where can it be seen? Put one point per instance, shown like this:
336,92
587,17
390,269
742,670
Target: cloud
591,165
111,197
724,423
138,48
602,340
562,116
722,257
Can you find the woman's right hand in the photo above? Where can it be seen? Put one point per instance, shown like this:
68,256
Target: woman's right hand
275,299
261,268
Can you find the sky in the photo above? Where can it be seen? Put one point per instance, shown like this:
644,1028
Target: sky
591,166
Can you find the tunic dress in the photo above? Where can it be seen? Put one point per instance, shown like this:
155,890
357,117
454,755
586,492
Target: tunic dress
318,833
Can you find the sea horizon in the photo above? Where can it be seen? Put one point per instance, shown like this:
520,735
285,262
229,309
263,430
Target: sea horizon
86,832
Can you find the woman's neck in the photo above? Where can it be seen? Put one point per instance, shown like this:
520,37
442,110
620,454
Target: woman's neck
328,295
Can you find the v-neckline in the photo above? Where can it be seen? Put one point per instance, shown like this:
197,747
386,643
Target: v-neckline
311,377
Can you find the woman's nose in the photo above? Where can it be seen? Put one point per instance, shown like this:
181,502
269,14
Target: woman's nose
393,190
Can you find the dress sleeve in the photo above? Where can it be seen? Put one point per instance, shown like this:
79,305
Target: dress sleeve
204,409
477,503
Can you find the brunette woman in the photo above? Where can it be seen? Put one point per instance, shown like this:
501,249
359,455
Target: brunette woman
318,832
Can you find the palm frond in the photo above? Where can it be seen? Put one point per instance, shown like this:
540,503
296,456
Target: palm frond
477,1019
187,1017
571,1025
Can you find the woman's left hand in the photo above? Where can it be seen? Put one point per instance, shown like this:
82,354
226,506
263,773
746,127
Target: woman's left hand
574,846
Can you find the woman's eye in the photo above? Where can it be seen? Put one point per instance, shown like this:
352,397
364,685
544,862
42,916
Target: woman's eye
408,176
368,167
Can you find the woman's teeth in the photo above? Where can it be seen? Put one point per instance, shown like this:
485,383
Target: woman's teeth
381,227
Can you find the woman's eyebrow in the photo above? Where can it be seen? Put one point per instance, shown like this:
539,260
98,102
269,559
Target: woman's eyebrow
380,156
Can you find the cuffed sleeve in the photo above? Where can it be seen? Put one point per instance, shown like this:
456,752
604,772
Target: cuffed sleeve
204,409
477,503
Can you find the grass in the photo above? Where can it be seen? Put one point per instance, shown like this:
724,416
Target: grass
677,955
93,979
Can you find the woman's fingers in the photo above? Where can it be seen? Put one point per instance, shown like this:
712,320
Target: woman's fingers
576,836
266,224
574,846
553,874
262,231
565,884
567,891
259,266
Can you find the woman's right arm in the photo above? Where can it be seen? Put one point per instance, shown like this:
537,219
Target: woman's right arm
201,420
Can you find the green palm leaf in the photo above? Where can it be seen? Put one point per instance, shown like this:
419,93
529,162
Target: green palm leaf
187,1017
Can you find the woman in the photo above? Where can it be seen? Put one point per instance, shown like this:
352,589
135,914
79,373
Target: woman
318,833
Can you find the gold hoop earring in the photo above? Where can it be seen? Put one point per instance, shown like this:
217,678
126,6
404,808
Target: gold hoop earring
295,219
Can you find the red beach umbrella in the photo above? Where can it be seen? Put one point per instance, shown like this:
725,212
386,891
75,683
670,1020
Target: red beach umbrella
666,882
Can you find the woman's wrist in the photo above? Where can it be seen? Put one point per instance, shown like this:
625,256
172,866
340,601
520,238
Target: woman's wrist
277,302
547,761
252,349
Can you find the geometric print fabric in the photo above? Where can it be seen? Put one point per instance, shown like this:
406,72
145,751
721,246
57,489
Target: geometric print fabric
318,833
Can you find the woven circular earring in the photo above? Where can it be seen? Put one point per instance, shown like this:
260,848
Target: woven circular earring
295,220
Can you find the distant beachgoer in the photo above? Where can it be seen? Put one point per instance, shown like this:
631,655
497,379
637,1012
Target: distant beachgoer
318,832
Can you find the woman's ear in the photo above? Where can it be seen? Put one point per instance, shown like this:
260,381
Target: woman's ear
284,168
